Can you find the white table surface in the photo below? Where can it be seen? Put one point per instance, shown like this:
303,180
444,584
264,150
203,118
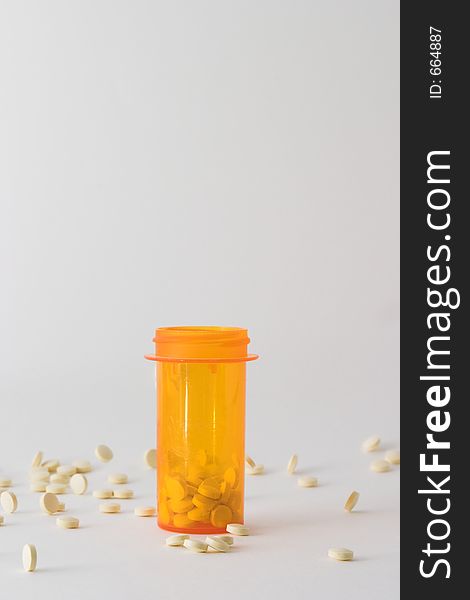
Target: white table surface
123,556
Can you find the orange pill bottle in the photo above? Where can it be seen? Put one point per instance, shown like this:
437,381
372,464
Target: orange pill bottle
201,373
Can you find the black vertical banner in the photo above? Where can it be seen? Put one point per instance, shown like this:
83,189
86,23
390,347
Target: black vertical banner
435,259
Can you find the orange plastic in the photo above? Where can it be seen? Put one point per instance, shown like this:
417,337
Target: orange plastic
200,427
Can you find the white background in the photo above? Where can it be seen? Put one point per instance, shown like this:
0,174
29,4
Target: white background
201,162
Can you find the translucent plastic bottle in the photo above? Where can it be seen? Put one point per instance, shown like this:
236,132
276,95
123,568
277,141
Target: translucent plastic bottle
200,427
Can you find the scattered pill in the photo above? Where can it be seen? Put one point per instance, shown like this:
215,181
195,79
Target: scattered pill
67,470
56,488
5,482
59,478
340,553
237,529
49,503
380,466
217,543
79,484
51,465
256,470
250,462
103,453
195,545
82,466
176,540
123,494
9,502
117,478
307,481
30,557
67,522
37,459
351,501
103,494
145,511
393,457
38,486
228,539
39,474
110,507
371,444
150,458
292,464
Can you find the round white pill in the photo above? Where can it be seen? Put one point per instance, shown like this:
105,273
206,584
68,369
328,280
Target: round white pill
67,522
123,494
49,503
103,453
145,511
307,481
82,466
117,478
110,507
103,494
217,544
393,457
380,466
67,470
56,488
176,540
79,484
340,553
150,458
256,470
37,459
292,464
228,539
195,545
371,444
351,501
9,502
30,557
237,529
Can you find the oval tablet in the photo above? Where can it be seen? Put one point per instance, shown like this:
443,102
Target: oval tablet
117,478
176,540
79,484
150,458
30,557
195,545
103,494
49,503
351,501
145,511
103,453
110,507
371,444
67,522
307,481
340,553
380,466
393,457
237,529
9,502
